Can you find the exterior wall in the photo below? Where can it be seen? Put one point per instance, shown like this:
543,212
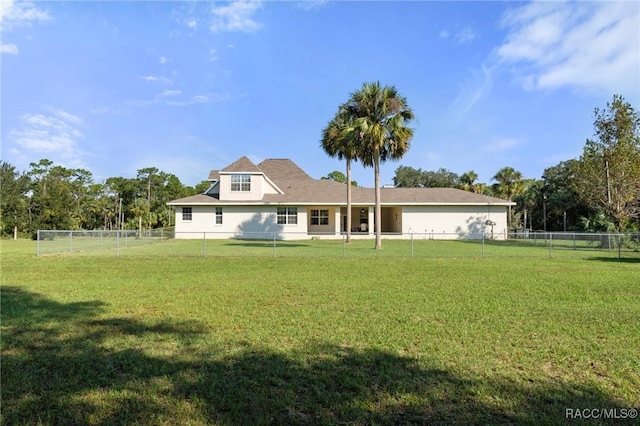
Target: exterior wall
450,222
331,227
256,193
259,222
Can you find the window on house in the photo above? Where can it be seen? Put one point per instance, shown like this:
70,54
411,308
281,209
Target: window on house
319,217
287,215
241,183
187,213
218,215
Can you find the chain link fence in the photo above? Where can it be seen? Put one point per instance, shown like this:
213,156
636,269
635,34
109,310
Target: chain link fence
58,242
165,242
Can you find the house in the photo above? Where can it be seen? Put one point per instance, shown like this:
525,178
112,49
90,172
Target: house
277,199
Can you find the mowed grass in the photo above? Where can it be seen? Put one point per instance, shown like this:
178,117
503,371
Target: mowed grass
234,340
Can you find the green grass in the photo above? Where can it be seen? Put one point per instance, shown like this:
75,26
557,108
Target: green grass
240,339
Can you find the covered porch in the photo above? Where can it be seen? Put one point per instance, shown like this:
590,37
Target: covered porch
363,220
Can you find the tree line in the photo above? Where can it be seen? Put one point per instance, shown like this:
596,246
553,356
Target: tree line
49,196
600,191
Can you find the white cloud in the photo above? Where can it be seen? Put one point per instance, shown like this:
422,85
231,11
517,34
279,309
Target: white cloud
177,98
235,16
192,23
10,49
465,35
68,117
15,14
155,79
166,93
503,144
589,45
197,99
472,91
200,99
308,5
164,59
106,110
212,55
54,135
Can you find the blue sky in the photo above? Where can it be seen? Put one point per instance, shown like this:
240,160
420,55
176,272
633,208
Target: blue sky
187,87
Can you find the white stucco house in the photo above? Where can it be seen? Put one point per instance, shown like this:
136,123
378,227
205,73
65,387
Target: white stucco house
278,199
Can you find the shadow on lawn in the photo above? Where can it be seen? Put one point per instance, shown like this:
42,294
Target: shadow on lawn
244,242
616,259
58,368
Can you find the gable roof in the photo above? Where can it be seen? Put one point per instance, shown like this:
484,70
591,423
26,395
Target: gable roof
300,188
243,164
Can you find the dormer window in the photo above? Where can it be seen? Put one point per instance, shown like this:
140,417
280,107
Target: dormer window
241,183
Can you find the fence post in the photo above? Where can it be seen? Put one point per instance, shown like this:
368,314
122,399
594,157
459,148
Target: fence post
550,243
412,245
619,246
274,245
118,243
344,245
38,244
483,245
204,244
70,241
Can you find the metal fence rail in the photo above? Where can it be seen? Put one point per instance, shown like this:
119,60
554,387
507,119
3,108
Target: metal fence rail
166,242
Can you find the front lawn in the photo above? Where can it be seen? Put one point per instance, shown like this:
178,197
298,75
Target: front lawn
234,340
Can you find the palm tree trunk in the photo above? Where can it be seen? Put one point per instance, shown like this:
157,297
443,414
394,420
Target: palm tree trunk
348,200
378,209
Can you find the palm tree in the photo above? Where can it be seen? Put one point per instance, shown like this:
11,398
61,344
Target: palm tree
140,208
337,142
509,183
379,117
467,181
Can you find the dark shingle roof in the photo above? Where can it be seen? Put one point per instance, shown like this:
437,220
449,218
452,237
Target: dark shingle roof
243,164
300,188
281,169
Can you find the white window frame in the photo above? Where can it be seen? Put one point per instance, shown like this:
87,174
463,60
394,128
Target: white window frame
240,183
287,215
218,219
319,217
187,214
